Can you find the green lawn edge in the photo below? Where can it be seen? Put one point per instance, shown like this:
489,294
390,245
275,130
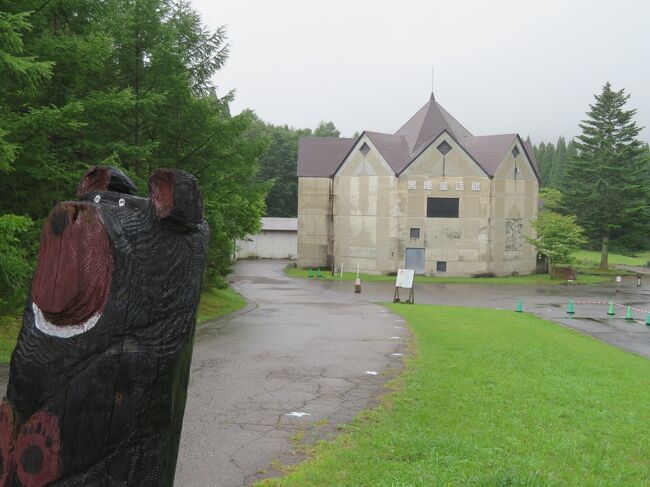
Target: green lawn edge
529,280
214,303
493,397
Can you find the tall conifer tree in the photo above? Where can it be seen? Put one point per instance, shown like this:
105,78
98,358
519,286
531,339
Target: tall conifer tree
607,182
558,169
547,167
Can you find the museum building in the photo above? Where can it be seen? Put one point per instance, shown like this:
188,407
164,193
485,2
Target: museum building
431,197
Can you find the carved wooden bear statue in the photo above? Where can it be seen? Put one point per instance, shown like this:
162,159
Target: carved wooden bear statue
99,376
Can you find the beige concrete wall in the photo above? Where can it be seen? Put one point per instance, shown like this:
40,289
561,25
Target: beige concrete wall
460,242
513,207
314,221
364,209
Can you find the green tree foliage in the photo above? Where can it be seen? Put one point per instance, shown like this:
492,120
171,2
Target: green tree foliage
326,129
20,76
278,165
131,85
558,236
552,161
558,168
607,183
552,199
15,265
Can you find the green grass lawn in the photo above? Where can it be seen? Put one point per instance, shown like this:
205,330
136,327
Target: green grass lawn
9,328
496,398
218,302
214,303
531,280
592,258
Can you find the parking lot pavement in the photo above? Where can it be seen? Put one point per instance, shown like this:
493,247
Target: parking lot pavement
549,302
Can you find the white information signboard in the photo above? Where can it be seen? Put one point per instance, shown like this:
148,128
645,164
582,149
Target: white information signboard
405,278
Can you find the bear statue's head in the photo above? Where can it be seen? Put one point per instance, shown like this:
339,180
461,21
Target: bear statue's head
102,359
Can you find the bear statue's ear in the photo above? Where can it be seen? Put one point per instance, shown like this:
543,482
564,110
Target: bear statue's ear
175,197
101,178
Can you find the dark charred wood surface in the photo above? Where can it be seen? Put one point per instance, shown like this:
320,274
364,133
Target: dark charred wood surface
99,376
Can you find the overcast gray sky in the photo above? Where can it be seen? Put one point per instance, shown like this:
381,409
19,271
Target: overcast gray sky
500,66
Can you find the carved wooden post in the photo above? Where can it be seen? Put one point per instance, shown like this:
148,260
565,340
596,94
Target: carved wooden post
99,376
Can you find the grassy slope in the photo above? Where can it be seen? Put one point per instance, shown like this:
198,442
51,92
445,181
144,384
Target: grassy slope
9,328
592,258
214,303
497,398
218,302
533,279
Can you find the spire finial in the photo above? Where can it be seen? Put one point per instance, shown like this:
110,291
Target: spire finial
432,97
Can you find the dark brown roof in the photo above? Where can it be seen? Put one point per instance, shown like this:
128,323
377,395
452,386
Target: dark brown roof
430,121
320,157
488,150
394,149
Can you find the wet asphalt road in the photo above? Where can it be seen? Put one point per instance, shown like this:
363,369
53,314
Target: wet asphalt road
298,348
549,302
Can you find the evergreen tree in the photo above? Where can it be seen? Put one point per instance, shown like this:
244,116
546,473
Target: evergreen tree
20,77
549,161
607,185
132,86
558,168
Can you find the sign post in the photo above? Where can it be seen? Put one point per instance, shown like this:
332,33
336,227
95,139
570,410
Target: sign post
357,282
404,280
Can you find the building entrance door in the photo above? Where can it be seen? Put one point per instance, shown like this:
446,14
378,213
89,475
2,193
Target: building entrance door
415,260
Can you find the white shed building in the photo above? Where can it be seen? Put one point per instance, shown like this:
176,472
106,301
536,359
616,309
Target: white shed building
277,240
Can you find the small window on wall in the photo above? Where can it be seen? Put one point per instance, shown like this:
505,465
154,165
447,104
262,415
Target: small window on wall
442,207
414,234
441,266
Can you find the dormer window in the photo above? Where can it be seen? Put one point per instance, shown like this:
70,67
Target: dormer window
364,149
444,148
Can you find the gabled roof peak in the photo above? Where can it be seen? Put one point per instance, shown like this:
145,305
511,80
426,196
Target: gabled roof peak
429,121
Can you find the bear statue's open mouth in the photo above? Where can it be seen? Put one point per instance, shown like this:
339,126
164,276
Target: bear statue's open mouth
73,275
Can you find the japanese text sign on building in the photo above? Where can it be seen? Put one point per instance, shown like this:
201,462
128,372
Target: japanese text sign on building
412,184
405,278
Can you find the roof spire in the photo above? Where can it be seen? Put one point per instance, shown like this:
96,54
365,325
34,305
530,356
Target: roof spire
432,97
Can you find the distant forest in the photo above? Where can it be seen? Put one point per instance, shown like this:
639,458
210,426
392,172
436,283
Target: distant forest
552,161
278,164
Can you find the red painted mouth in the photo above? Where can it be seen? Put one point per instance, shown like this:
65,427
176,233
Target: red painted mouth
73,276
